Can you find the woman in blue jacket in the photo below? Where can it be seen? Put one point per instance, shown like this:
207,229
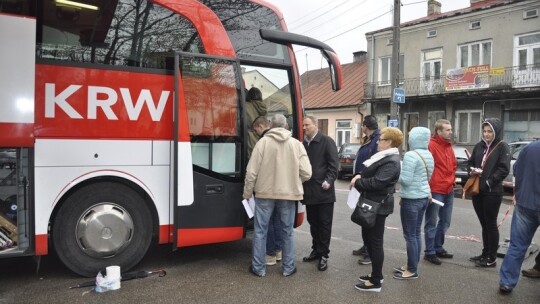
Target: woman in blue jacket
414,179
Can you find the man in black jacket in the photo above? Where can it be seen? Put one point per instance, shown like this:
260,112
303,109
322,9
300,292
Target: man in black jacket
319,191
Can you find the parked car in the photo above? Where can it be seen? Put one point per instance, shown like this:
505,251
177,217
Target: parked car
515,149
7,158
347,155
462,158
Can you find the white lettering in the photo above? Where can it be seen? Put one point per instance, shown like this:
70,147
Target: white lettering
60,100
144,97
104,98
104,104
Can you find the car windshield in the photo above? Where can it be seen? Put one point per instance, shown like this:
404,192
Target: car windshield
350,149
461,152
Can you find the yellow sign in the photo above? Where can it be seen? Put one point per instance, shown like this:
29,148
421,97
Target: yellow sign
496,71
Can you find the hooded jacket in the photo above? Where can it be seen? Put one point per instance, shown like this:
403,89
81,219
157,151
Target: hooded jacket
277,167
368,148
415,174
444,175
497,165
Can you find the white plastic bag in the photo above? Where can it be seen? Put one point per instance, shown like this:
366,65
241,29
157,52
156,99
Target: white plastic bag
105,283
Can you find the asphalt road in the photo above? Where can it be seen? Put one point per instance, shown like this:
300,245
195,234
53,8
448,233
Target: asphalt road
218,273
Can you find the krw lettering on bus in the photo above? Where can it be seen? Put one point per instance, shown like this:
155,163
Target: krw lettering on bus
108,98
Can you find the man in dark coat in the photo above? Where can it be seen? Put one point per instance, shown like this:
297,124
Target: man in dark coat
319,191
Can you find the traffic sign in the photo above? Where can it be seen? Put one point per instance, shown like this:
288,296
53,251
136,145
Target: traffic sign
393,123
399,95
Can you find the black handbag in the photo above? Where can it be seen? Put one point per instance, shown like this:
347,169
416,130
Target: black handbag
365,213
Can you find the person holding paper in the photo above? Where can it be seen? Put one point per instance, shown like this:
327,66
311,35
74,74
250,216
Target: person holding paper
275,172
415,194
491,161
378,183
274,243
442,189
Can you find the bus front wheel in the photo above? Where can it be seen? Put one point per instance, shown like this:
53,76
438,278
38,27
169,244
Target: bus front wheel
100,225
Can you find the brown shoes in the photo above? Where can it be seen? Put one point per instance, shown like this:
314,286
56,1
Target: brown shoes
531,273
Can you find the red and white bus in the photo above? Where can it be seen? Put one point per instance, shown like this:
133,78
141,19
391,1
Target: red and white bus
122,122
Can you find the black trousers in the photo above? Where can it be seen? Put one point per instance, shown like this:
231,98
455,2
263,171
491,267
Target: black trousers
320,218
487,209
373,239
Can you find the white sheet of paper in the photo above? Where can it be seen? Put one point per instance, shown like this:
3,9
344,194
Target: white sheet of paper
437,202
354,195
249,206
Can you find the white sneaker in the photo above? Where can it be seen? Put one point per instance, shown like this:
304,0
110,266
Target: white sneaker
278,255
270,260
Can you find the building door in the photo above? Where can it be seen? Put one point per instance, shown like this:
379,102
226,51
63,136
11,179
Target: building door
430,79
527,60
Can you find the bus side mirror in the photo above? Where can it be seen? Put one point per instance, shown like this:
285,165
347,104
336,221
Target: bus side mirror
336,77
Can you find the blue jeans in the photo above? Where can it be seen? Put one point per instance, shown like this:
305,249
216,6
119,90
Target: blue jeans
412,213
285,213
274,242
524,224
434,233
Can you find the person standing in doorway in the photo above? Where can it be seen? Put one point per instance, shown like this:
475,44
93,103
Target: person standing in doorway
490,161
369,147
442,189
526,218
319,191
255,107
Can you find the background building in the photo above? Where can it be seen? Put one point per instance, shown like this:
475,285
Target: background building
340,113
464,65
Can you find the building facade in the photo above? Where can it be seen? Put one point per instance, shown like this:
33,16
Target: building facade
465,65
340,114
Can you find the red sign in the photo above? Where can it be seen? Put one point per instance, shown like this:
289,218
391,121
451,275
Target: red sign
469,78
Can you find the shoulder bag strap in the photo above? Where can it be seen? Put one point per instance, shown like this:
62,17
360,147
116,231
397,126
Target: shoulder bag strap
489,153
425,165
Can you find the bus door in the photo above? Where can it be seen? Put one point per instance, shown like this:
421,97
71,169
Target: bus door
209,149
17,73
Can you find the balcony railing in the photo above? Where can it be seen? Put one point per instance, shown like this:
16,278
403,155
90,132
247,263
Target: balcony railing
497,79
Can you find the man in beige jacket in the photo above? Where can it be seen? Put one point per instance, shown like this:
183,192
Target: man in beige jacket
276,170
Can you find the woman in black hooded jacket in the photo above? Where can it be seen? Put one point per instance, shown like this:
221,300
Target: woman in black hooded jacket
491,161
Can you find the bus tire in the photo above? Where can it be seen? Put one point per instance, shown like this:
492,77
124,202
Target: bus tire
100,225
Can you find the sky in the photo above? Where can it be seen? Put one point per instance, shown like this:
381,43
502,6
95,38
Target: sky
342,24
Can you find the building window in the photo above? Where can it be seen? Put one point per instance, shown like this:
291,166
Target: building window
474,25
472,54
530,13
524,115
431,33
468,127
343,132
528,51
385,70
431,64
